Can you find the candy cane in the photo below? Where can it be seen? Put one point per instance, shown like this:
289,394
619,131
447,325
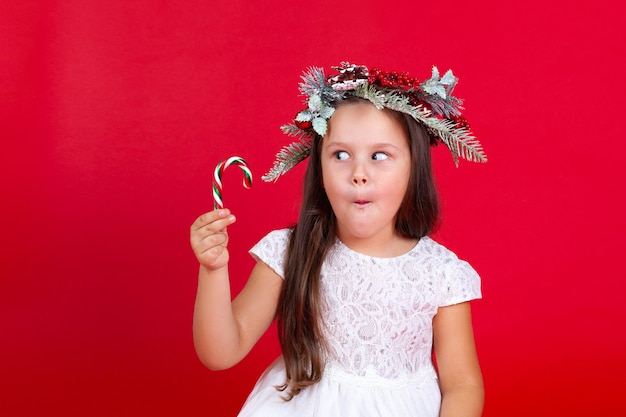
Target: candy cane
217,178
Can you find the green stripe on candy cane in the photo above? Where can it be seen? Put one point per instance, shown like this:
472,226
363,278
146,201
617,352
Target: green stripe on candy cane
217,178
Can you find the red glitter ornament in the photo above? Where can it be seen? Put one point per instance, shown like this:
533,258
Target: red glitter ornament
304,125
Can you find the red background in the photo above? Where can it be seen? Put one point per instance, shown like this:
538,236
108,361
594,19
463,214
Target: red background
114,114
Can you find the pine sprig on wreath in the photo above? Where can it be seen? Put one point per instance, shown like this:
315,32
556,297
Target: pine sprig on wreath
459,140
312,81
450,107
292,154
385,98
314,84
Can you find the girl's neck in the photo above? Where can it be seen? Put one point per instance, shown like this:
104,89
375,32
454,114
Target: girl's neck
389,247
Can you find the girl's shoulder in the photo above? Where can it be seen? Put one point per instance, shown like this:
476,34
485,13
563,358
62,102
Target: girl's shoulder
277,236
271,249
437,250
445,259
459,281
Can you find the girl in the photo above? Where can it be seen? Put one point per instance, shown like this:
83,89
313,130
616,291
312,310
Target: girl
361,294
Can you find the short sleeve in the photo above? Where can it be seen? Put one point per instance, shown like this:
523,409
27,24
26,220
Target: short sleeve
272,249
460,283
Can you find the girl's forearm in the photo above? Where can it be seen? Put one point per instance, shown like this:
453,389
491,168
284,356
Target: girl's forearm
215,329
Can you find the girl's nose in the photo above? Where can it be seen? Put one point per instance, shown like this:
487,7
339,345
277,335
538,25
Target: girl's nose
359,178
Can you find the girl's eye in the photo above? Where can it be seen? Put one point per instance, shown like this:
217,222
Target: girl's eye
341,155
380,156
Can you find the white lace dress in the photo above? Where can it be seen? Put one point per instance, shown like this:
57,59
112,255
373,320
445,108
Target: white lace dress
378,316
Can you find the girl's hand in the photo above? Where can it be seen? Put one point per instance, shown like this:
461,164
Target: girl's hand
209,238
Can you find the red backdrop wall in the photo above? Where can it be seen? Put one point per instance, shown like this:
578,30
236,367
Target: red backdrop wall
114,114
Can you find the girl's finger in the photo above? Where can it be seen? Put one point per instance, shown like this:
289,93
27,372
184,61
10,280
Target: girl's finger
210,217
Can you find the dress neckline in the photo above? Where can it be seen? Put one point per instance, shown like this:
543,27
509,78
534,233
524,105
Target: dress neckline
415,247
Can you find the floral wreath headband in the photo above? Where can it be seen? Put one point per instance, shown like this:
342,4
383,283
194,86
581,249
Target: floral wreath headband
430,103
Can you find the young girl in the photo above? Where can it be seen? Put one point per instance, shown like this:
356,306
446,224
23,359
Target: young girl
362,295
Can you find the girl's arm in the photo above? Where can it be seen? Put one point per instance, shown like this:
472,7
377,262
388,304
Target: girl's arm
224,331
459,372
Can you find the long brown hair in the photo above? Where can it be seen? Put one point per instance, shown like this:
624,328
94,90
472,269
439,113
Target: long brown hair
299,311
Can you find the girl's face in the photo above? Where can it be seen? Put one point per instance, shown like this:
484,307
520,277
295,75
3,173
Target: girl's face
366,164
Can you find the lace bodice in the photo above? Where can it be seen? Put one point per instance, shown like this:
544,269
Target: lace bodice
378,312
